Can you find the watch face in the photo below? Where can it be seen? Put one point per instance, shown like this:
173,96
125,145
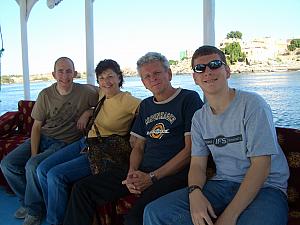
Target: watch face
190,189
153,177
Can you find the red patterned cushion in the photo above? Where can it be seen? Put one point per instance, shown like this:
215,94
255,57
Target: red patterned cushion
8,123
15,128
7,145
10,143
112,213
289,140
25,119
125,203
108,216
294,217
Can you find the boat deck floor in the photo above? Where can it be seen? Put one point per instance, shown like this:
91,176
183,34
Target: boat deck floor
8,205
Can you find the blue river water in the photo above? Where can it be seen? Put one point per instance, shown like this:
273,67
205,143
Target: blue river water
280,90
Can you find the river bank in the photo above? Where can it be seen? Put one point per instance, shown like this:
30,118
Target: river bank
182,67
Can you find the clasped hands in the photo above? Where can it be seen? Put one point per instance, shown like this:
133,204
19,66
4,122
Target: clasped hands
137,181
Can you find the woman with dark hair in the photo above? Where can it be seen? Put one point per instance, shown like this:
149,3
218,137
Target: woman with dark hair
68,165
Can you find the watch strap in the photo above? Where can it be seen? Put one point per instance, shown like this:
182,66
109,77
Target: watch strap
193,187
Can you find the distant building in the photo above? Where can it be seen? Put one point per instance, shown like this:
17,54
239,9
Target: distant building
259,49
185,54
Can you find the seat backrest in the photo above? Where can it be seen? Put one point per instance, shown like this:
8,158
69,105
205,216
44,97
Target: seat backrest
25,120
8,123
289,140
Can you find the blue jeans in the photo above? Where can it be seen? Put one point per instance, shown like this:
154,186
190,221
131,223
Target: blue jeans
56,175
268,208
19,169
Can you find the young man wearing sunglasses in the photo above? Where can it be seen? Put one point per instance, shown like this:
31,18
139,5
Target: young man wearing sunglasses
236,127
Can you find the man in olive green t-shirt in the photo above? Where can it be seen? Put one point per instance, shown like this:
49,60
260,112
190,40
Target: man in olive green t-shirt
60,114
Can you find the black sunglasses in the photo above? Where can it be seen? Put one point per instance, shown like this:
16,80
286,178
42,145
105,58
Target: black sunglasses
214,64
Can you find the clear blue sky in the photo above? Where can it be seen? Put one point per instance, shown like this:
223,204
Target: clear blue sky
126,29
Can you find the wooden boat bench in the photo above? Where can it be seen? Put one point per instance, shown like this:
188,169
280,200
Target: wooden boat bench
15,128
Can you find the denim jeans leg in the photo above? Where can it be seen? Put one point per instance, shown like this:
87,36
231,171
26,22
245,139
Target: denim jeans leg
33,194
65,154
170,209
220,193
13,168
174,208
269,207
60,178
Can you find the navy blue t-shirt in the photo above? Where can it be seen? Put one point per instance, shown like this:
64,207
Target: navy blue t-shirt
164,126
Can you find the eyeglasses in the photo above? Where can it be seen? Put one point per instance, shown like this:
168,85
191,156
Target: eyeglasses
213,65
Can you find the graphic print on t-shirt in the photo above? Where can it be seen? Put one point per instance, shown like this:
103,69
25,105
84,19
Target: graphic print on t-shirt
163,120
221,140
158,131
66,113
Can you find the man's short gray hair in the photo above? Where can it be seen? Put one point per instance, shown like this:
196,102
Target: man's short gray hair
152,57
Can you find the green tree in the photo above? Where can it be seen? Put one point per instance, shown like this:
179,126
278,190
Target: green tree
291,47
233,52
173,62
295,43
234,34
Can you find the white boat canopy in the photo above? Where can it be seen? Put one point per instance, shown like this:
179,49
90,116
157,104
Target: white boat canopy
26,6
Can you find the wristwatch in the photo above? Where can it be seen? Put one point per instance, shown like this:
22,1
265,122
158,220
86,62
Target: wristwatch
193,188
153,177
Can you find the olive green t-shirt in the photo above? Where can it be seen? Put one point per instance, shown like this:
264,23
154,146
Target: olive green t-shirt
60,113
